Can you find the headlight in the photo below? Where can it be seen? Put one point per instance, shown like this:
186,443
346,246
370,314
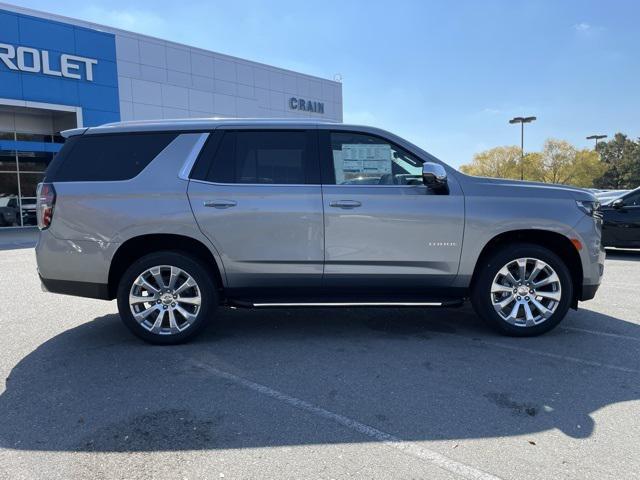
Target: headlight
589,207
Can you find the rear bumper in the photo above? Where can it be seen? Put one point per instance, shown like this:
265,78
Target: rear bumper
74,267
78,289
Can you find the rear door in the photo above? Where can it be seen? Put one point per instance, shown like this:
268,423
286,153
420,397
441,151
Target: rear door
384,230
256,195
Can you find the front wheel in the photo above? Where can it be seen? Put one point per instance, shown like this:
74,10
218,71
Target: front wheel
166,297
522,290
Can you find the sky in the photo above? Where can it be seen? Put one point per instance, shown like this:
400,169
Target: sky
446,75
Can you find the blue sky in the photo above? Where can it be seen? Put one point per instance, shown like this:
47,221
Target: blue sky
447,75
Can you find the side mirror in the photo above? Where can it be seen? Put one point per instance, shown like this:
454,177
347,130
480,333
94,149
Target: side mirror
434,176
619,203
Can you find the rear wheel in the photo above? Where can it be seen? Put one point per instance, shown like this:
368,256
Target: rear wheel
523,290
166,297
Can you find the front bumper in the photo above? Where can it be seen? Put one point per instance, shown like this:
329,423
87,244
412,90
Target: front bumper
592,255
588,292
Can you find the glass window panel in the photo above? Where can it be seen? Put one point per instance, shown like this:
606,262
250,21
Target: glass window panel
360,159
28,184
7,161
34,161
34,137
632,200
7,135
272,157
111,157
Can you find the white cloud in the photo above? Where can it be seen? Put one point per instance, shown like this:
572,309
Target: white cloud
582,27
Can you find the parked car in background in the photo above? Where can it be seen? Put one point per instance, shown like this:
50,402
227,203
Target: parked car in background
9,213
608,196
174,218
29,217
621,217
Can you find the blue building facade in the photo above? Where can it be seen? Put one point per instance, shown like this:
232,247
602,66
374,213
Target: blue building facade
53,76
58,73
98,97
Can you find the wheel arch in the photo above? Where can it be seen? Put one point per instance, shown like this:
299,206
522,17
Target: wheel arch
554,241
138,246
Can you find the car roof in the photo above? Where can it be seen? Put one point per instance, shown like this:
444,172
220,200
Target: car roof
196,124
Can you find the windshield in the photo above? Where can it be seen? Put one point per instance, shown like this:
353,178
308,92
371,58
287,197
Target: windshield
606,198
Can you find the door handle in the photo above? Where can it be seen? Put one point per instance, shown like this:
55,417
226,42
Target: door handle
220,203
345,204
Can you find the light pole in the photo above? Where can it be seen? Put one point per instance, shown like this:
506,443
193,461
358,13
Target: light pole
596,138
522,121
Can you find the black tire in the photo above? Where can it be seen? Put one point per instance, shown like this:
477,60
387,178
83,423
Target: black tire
205,286
481,297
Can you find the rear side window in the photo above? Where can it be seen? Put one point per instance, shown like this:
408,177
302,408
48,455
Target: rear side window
109,157
265,157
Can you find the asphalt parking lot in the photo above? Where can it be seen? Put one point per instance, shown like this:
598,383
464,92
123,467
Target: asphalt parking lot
358,393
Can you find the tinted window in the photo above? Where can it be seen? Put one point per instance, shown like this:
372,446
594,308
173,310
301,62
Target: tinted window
268,157
360,159
106,157
632,200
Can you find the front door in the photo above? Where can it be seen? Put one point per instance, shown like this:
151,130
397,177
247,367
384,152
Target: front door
384,230
259,201
622,225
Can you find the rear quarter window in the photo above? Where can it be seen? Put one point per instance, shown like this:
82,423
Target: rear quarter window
111,157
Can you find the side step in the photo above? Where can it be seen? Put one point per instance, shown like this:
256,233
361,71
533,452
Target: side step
251,304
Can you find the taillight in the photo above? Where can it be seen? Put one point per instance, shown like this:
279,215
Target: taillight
46,201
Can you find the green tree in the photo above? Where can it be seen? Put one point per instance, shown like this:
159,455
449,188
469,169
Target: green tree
502,162
559,162
563,163
621,157
589,167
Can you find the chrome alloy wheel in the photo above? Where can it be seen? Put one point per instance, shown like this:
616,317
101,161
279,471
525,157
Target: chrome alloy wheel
165,300
526,292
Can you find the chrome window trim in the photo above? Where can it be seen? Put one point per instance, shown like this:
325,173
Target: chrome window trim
372,186
301,185
195,180
187,166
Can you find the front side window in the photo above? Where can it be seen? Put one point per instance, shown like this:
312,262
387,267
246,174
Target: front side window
360,159
632,200
265,157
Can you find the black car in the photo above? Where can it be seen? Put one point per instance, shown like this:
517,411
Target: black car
622,221
9,215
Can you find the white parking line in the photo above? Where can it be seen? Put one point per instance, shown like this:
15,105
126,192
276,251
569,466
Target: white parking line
604,334
556,356
410,448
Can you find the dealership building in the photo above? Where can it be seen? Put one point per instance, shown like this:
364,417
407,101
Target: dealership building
58,73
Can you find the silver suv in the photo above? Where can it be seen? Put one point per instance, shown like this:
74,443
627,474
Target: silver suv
176,218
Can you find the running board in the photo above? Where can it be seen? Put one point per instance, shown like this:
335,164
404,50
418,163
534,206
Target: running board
249,304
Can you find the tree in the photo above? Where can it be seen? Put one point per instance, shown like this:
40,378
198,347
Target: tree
621,157
499,162
563,163
589,167
559,162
